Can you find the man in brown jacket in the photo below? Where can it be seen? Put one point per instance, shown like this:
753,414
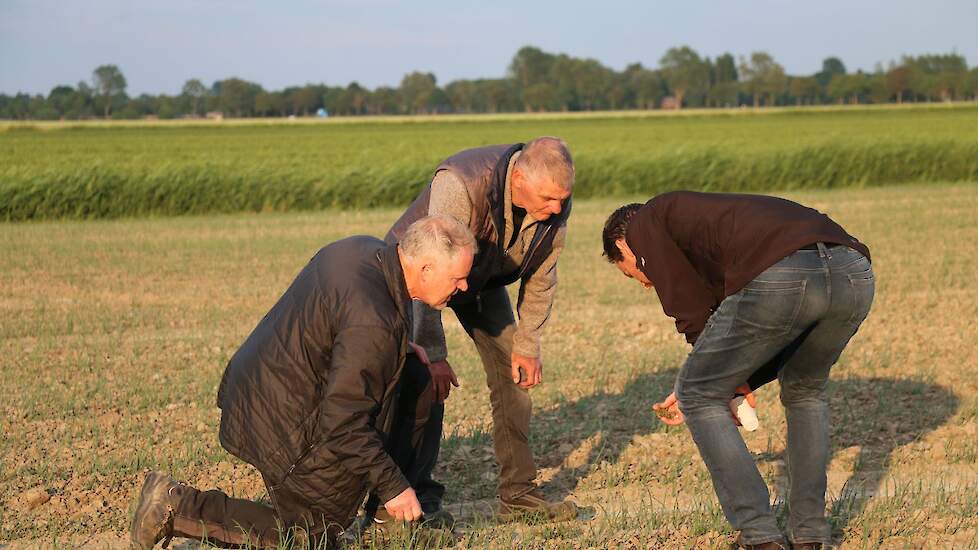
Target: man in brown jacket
764,288
307,399
516,200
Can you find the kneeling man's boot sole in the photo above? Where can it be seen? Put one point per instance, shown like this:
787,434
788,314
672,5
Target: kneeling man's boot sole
153,519
534,507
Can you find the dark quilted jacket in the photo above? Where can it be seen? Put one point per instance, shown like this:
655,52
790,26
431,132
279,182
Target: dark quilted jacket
306,398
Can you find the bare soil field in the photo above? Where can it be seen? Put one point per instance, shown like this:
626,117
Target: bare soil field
114,335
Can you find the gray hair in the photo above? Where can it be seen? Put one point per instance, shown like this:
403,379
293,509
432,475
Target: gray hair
547,157
436,235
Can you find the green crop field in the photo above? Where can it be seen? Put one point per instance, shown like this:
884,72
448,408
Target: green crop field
123,170
114,333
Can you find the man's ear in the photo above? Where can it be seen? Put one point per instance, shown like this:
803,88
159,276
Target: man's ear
623,248
519,179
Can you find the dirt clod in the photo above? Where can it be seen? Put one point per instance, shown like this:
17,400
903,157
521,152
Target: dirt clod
35,497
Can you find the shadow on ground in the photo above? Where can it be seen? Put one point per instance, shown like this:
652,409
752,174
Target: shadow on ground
875,415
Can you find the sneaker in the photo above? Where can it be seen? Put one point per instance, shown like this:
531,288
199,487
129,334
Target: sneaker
153,520
534,506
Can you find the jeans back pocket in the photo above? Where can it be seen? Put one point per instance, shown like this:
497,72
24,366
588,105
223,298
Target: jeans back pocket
767,309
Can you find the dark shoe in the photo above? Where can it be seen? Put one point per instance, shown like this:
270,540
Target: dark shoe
534,506
355,535
807,546
779,544
153,520
438,519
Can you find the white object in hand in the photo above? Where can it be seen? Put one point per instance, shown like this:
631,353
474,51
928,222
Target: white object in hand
745,413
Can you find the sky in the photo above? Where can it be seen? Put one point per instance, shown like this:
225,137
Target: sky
159,45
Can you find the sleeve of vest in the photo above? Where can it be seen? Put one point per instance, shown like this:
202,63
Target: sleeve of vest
448,196
536,300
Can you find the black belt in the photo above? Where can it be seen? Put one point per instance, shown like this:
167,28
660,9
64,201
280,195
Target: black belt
814,246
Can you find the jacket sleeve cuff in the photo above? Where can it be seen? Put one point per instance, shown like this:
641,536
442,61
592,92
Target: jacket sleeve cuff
392,486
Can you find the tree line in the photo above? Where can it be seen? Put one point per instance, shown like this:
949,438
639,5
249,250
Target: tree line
535,81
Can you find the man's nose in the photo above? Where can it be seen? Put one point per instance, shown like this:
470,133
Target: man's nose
463,285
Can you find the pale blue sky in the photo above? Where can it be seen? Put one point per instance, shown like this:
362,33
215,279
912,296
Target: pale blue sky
160,44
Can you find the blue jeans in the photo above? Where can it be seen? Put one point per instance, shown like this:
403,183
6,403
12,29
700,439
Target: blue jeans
795,317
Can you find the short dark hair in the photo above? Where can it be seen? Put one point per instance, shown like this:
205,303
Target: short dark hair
615,229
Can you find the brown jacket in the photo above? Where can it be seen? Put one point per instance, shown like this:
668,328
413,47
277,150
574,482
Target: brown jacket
699,248
306,399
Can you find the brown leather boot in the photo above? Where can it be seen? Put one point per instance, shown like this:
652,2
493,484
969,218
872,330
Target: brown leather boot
779,544
534,506
153,520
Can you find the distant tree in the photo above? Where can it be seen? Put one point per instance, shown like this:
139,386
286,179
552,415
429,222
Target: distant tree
82,104
109,84
804,89
167,107
264,103
495,93
897,81
60,98
417,91
617,90
383,100
940,76
19,107
564,76
875,87
723,82
304,100
237,96
763,77
356,98
684,72
530,66
462,95
644,87
849,87
40,109
592,80
194,90
971,84
831,66
541,96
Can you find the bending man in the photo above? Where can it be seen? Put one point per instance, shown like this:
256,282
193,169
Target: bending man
307,399
516,200
763,288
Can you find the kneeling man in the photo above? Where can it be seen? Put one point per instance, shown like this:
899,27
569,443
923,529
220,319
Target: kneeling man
307,398
763,288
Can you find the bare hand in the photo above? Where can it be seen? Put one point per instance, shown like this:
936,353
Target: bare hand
668,411
405,506
744,390
532,371
442,379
